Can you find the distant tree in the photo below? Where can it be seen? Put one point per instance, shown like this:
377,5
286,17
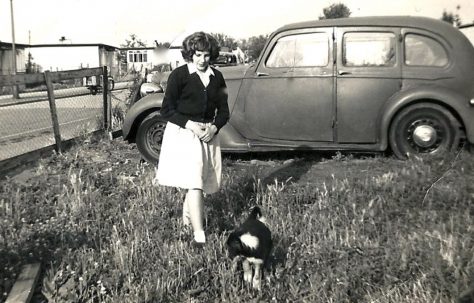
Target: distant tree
253,45
451,18
162,45
335,10
133,41
32,67
225,42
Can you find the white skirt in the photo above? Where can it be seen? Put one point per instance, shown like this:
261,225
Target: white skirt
187,162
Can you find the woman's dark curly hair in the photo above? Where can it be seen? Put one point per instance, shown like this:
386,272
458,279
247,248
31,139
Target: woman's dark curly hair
200,41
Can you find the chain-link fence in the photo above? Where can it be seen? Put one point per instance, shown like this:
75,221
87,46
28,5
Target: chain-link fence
56,106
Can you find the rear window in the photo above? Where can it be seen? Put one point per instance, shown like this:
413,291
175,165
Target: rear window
424,51
369,49
303,50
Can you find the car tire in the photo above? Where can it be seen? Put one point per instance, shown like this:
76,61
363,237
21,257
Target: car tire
149,137
424,129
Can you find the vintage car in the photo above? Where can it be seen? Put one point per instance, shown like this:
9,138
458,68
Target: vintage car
225,59
95,83
404,84
155,80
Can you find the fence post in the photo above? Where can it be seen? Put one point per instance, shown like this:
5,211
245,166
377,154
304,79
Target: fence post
105,93
52,107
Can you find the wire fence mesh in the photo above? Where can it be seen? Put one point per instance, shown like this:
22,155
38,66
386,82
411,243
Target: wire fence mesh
77,102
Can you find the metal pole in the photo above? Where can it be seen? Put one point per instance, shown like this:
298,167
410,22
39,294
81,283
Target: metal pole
106,98
14,87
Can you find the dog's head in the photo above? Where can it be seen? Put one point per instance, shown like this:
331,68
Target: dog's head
234,246
252,239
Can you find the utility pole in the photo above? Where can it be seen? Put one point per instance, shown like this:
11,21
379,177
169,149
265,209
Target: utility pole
14,87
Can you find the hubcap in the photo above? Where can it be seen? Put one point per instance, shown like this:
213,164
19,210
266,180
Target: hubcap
155,136
424,135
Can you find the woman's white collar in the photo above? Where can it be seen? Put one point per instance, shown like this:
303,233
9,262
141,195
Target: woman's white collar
193,69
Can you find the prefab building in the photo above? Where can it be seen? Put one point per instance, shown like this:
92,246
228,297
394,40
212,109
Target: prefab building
141,58
6,62
60,57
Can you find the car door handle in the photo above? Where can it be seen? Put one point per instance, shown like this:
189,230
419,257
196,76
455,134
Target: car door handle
259,74
343,72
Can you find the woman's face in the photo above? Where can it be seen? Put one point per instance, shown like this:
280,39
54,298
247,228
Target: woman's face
201,60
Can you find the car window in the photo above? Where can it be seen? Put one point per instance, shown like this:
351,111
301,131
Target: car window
304,50
369,49
424,51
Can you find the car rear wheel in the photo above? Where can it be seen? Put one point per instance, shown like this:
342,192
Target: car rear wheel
424,128
149,137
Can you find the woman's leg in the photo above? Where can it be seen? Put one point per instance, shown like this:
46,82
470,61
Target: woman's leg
194,199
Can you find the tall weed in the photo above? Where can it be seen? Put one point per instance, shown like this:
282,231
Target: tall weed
351,230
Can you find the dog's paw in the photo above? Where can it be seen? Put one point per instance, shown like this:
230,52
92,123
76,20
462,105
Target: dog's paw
256,282
248,276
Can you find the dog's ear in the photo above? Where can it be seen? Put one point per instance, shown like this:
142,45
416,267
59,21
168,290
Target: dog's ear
256,213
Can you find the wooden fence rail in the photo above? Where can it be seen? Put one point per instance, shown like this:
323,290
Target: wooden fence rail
49,77
10,80
24,286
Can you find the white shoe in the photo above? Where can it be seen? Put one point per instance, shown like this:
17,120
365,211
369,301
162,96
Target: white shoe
199,237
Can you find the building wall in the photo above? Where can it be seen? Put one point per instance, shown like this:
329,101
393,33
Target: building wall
109,58
6,66
58,58
139,59
175,58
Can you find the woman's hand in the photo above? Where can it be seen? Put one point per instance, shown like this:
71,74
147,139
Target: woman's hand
197,128
209,133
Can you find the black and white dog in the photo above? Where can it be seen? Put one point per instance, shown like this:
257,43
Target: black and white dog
252,242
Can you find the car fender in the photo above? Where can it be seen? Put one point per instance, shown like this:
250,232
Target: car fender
230,139
453,101
137,112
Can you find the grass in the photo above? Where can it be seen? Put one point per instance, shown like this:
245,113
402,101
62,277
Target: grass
346,229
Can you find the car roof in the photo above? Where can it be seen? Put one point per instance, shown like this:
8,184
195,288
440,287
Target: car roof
395,21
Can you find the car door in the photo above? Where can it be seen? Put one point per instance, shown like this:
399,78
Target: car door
290,94
368,74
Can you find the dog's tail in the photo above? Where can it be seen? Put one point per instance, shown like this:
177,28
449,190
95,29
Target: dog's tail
256,213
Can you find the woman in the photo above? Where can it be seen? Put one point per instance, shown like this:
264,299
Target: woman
195,106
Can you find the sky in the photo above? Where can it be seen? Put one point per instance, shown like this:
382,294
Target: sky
112,21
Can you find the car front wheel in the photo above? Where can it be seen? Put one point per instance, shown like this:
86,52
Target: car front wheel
149,137
423,128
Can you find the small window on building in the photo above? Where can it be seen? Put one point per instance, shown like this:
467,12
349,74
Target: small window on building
305,50
424,51
138,56
369,49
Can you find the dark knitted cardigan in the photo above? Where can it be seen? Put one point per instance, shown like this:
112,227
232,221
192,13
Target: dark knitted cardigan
186,98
